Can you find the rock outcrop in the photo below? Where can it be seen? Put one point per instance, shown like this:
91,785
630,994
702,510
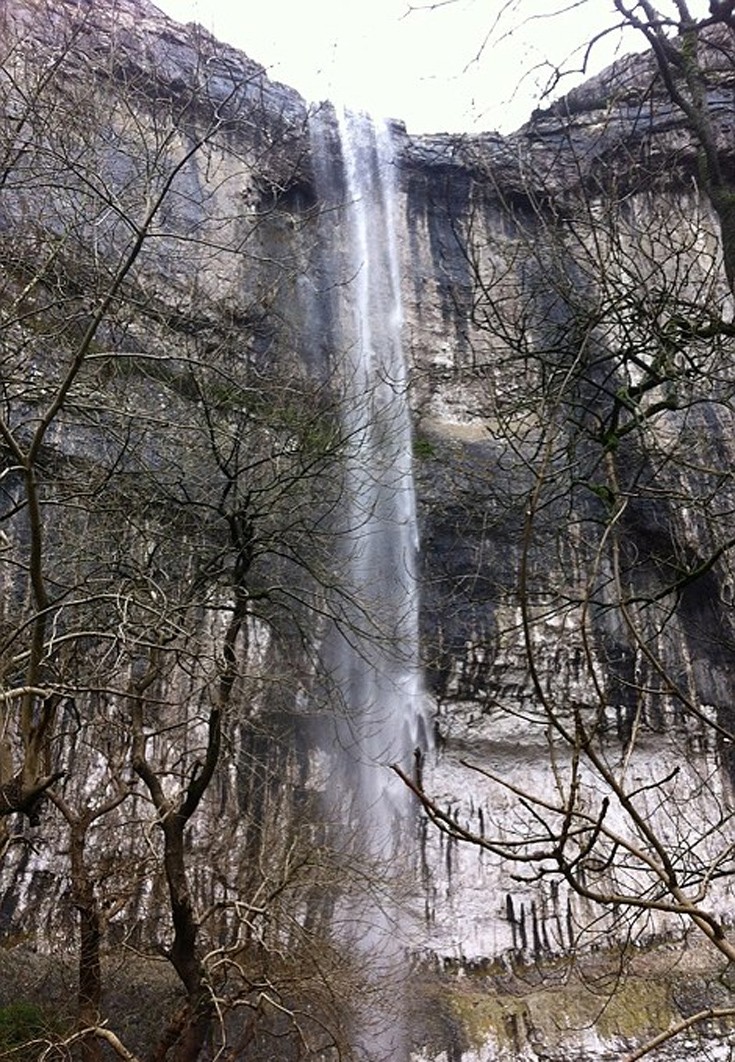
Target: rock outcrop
569,355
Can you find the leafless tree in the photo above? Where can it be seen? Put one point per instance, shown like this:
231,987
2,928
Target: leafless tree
603,326
170,473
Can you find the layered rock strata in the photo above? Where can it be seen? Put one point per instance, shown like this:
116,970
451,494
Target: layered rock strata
557,406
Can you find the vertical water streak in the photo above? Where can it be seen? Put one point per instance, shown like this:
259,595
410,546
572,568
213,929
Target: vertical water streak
373,654
379,670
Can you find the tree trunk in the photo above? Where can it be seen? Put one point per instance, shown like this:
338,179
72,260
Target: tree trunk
187,1034
90,936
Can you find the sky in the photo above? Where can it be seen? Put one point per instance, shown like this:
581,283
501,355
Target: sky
439,65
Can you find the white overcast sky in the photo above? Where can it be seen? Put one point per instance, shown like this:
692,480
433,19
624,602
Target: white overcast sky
422,65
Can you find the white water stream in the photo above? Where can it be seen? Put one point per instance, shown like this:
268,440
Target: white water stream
380,670
374,656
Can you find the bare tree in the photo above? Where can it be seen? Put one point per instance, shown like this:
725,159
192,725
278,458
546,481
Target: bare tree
603,327
171,469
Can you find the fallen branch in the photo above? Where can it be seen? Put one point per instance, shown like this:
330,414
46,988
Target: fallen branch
680,1027
101,1033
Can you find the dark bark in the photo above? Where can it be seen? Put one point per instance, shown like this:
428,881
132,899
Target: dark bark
90,979
15,796
187,1032
186,1035
682,72
90,938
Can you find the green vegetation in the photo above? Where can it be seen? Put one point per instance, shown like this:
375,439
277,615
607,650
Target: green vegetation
423,448
20,1024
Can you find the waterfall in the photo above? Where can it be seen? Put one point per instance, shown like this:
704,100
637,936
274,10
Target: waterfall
373,655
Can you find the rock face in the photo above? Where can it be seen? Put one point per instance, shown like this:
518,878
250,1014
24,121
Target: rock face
498,444
570,387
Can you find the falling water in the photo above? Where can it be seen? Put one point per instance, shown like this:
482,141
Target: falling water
374,652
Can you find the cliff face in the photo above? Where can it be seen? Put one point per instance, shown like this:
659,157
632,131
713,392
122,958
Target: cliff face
571,563
570,386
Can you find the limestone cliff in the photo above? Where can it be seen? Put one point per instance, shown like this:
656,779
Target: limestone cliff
566,325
